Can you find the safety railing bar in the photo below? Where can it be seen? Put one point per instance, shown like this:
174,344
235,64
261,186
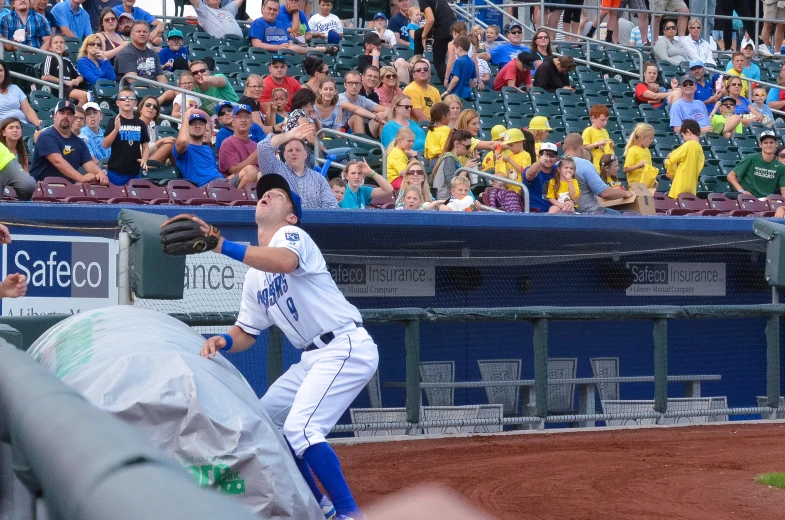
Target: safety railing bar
341,135
36,50
524,188
127,79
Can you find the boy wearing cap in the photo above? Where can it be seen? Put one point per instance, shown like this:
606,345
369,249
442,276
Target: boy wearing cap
193,157
537,176
516,74
726,123
512,163
175,55
127,138
237,157
380,25
502,54
689,108
684,164
326,25
760,174
60,153
278,79
489,161
92,133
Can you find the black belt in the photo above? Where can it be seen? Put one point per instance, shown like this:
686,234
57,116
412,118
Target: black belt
326,338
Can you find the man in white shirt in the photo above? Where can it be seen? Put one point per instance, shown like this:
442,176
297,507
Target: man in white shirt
216,20
697,48
326,25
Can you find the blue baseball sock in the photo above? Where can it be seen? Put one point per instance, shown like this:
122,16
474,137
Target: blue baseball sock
305,471
324,462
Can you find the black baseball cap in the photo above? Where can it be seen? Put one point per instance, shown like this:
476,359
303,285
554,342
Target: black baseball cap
528,59
64,104
271,181
278,57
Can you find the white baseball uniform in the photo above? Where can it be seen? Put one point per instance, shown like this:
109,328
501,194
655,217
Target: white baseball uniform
307,401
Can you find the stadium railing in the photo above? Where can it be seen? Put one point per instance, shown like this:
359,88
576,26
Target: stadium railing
349,137
84,463
33,79
126,80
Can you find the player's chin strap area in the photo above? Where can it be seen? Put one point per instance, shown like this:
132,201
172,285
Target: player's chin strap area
325,339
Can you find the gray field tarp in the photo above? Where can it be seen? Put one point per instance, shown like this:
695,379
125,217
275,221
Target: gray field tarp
144,367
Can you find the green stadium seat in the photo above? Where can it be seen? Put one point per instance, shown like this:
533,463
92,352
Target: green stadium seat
663,184
226,66
727,154
260,55
204,39
254,67
727,166
233,54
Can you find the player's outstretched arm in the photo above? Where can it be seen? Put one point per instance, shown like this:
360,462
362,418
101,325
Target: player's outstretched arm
236,339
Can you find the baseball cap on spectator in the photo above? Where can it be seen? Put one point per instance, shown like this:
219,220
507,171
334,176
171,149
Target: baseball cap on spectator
91,106
380,15
497,131
766,134
727,98
278,58
549,147
223,104
197,115
174,33
696,63
242,108
528,59
373,38
513,25
539,123
64,105
686,78
271,181
126,15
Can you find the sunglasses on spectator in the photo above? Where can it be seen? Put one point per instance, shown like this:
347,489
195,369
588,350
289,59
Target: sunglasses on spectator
516,32
94,44
734,84
415,172
548,154
390,76
126,98
112,19
688,84
200,71
781,155
696,27
151,105
670,27
543,37
225,113
407,107
729,105
427,69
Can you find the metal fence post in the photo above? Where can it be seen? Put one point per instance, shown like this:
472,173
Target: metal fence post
412,343
274,354
541,366
660,365
773,361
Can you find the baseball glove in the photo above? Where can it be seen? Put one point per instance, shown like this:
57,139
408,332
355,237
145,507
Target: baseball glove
182,235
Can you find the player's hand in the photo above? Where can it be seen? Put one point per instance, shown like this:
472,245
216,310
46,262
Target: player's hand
5,235
14,286
212,345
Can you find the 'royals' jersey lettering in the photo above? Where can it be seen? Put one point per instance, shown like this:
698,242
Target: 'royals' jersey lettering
303,304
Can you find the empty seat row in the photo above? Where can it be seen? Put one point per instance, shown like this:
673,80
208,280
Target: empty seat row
717,204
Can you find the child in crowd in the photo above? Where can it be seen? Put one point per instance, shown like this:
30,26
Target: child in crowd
489,161
685,163
338,187
415,16
92,133
276,115
325,24
727,122
415,176
438,131
563,190
458,146
513,162
479,33
380,25
11,136
358,196
398,154
127,138
73,83
540,128
79,121
759,101
483,69
183,102
491,37
460,189
637,157
456,107
609,170
596,138
463,76
501,198
412,198
175,55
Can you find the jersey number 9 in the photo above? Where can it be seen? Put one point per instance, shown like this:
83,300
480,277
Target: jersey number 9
292,309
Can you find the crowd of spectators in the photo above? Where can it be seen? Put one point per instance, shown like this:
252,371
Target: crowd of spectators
272,126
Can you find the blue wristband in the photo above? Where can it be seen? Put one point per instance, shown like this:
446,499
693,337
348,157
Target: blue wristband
229,341
234,250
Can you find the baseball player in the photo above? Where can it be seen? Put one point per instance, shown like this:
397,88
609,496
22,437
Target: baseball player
288,285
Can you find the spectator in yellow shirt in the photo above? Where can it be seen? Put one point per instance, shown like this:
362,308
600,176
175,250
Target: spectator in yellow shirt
685,163
563,190
513,162
637,157
489,162
438,132
398,154
421,92
596,138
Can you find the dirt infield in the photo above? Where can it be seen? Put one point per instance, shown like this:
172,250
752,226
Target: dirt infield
699,472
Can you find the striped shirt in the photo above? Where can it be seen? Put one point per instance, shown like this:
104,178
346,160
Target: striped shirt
36,28
312,187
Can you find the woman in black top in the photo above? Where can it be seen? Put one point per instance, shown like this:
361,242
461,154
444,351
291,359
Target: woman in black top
73,83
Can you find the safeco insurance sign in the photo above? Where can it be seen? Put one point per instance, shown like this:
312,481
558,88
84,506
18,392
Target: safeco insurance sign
676,279
66,274
383,280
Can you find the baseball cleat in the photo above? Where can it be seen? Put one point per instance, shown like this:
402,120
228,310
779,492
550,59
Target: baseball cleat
327,508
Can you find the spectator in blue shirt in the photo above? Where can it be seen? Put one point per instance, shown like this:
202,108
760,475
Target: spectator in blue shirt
92,64
156,25
502,54
272,34
689,108
704,90
537,176
463,76
296,20
36,31
72,20
175,55
359,196
194,158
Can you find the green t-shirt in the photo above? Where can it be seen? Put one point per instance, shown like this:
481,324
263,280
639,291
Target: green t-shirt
718,125
226,92
759,177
